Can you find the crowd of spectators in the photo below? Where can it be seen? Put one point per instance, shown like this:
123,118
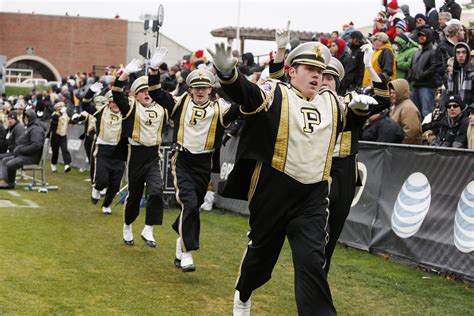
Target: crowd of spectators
425,58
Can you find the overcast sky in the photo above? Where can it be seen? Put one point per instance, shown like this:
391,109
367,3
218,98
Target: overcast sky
190,22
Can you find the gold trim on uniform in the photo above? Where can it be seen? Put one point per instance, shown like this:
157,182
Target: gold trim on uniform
327,166
384,93
87,100
278,74
231,80
346,144
280,150
211,136
254,180
136,127
180,137
154,87
311,62
117,89
267,97
174,158
360,112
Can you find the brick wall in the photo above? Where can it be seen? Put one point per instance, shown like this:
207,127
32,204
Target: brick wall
71,44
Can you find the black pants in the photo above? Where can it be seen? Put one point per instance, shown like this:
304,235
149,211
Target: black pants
344,176
192,173
283,207
144,168
10,164
108,172
56,143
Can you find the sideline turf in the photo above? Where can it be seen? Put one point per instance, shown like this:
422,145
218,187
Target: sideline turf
65,257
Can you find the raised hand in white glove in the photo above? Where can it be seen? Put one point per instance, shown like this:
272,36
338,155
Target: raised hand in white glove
135,65
39,114
158,57
368,52
97,86
63,110
282,36
362,102
75,116
222,58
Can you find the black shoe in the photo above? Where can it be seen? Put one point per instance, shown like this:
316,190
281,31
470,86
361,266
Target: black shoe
149,243
189,268
129,242
177,263
94,201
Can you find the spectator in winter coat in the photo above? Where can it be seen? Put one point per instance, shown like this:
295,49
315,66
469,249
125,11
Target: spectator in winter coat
355,66
452,7
338,50
461,82
395,15
408,18
444,18
383,59
470,129
424,73
382,128
404,112
404,54
453,127
15,132
431,14
27,151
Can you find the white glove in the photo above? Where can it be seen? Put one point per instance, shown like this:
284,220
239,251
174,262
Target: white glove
75,116
362,102
368,52
158,57
63,110
223,60
134,66
282,36
96,87
39,114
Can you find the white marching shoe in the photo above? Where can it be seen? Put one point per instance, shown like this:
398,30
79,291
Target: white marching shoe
106,210
241,308
179,253
128,234
95,195
187,264
147,236
208,201
67,168
54,168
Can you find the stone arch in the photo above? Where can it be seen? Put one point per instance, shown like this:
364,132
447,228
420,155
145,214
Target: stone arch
38,64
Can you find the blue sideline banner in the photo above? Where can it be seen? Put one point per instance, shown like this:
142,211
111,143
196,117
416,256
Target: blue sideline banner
416,203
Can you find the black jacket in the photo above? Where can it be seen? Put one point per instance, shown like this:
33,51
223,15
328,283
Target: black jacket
354,70
453,8
31,144
452,133
384,130
424,70
14,134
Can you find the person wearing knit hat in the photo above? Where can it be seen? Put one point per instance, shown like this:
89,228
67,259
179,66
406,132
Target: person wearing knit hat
380,23
199,123
401,27
288,126
143,122
453,127
58,136
432,17
395,15
408,18
404,54
338,50
107,154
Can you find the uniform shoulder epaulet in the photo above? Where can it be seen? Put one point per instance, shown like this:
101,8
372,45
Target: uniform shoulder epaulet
324,90
101,109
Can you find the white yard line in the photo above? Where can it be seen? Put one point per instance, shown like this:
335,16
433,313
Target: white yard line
14,193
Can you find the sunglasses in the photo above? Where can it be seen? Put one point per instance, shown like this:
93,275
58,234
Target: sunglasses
452,105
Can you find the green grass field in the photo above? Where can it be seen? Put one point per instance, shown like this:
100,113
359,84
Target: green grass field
65,257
